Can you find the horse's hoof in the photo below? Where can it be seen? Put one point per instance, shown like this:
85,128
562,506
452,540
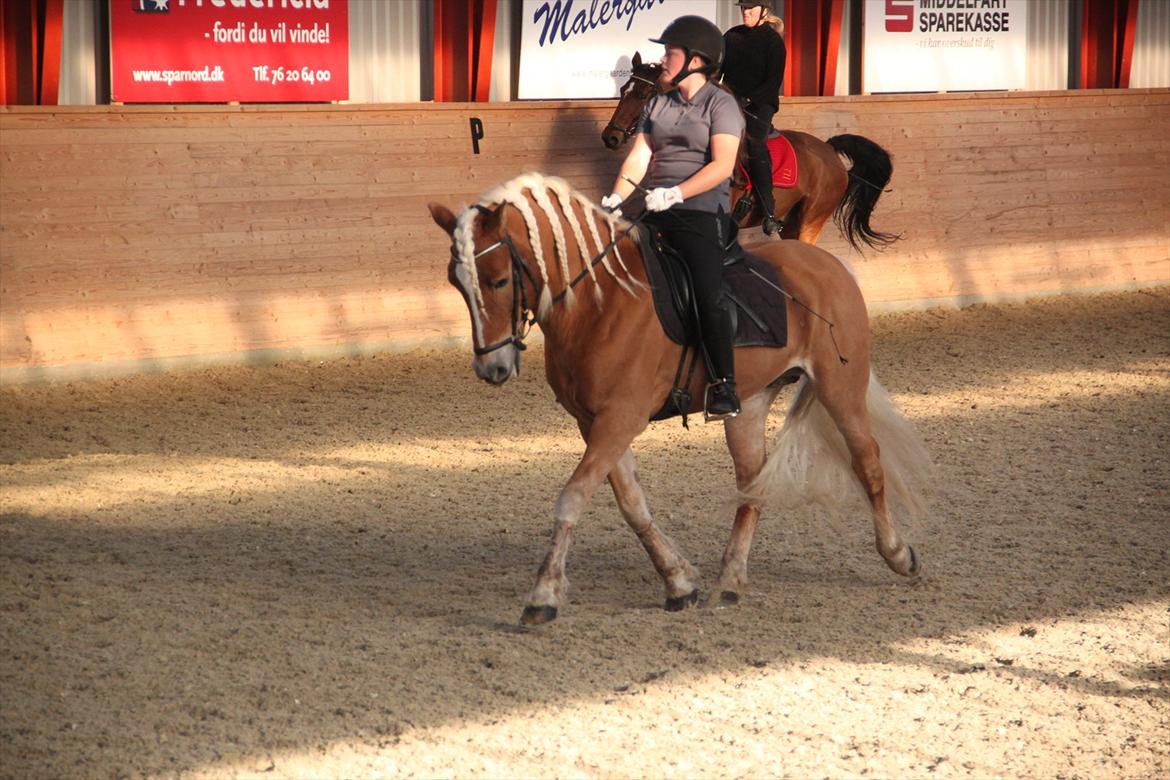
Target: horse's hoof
905,563
728,598
679,603
915,563
536,616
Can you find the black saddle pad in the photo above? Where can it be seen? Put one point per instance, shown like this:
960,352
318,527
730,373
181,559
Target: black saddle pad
750,282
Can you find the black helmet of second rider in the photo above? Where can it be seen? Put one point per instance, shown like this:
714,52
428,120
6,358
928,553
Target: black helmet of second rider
695,35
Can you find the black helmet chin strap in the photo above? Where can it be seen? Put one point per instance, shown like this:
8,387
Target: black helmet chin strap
682,74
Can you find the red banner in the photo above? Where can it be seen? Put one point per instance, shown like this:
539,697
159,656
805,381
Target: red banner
218,51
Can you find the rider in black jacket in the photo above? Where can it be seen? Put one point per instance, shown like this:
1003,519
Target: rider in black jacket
753,68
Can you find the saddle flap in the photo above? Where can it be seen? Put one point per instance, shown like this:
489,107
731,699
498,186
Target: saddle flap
670,286
753,285
750,282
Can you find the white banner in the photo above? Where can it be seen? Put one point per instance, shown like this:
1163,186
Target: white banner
582,48
945,45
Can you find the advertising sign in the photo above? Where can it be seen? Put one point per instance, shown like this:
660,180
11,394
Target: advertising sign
945,45
218,51
582,48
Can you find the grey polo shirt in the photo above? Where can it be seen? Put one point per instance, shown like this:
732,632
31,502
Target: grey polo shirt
680,133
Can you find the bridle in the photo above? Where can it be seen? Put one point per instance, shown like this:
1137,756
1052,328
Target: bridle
523,317
629,130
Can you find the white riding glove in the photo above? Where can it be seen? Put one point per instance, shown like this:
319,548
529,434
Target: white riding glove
662,198
612,203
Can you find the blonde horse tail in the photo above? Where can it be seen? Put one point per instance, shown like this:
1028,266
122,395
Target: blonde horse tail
810,464
911,479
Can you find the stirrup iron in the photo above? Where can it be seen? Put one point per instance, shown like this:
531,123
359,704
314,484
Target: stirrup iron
708,416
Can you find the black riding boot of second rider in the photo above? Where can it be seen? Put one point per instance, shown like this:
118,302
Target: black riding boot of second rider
759,163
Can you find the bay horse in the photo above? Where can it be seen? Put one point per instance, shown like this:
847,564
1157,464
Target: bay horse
824,187
520,256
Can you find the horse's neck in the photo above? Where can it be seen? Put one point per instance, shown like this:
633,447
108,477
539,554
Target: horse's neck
616,284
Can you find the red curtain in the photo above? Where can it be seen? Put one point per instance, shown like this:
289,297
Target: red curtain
813,36
30,51
1107,29
465,31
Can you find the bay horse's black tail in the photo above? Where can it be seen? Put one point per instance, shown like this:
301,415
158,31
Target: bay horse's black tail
869,175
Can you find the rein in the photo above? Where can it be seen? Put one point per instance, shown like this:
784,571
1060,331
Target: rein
594,262
523,317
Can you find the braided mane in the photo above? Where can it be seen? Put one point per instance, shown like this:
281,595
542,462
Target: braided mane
534,189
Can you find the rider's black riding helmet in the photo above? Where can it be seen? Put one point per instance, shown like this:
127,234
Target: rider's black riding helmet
694,35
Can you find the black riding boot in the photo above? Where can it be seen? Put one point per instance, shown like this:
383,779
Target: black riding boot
759,164
768,207
721,399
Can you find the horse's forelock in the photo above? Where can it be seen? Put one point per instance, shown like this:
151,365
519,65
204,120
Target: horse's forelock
464,241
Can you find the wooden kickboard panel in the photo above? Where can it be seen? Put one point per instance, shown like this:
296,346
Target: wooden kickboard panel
163,233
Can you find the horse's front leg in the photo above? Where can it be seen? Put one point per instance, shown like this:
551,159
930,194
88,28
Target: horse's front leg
606,438
679,576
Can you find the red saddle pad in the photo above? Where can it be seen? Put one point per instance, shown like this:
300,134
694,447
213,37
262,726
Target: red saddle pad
783,162
784,171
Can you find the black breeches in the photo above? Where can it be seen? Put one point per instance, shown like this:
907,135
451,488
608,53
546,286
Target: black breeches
698,237
759,159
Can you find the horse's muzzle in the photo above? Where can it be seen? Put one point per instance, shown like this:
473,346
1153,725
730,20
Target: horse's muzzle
612,137
497,368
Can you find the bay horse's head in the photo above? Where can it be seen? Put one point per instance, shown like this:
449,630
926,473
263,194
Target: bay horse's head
496,284
634,96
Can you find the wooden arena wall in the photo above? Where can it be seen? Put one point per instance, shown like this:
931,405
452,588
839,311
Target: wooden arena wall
142,238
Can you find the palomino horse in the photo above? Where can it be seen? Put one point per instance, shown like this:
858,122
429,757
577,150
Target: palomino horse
522,250
824,186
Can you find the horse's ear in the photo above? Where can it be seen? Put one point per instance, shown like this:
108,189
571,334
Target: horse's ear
442,217
637,59
494,220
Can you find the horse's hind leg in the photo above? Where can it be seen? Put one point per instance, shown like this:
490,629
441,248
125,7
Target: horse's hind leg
814,213
676,572
844,396
745,440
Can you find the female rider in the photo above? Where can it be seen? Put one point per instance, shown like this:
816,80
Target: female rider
754,71
683,154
